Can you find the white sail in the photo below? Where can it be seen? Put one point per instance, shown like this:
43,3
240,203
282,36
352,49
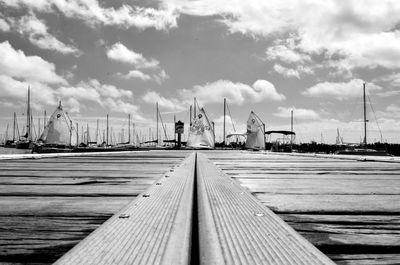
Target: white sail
201,134
255,133
59,129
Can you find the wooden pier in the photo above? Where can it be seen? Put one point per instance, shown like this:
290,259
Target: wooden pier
48,205
212,209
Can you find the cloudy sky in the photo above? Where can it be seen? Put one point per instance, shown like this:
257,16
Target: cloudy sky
118,57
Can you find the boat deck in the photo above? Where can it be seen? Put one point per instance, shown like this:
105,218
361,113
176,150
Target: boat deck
348,208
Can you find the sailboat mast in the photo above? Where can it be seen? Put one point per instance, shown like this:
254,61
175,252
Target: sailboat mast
87,134
365,117
15,118
129,128
223,142
45,120
291,127
107,132
190,115
174,130
97,131
194,108
157,121
77,133
28,115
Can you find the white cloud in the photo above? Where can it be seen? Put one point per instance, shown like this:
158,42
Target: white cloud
37,32
4,26
135,74
92,13
299,113
72,105
16,64
120,52
118,105
107,90
152,97
340,90
11,88
290,72
284,54
363,31
393,79
393,108
160,77
235,93
81,92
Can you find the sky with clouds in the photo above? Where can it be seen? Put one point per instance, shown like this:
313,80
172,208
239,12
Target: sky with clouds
120,57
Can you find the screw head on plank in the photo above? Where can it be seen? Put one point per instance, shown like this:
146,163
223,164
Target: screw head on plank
124,215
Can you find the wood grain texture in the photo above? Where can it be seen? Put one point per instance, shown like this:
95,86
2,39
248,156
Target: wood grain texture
48,205
349,208
235,228
155,228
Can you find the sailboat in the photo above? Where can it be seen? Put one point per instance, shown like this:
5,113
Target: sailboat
362,150
255,133
201,133
26,141
12,143
58,136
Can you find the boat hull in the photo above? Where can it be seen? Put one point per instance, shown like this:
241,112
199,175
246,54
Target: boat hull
24,145
362,152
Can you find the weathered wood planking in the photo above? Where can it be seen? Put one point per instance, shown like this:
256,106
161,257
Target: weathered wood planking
235,228
156,228
48,205
349,209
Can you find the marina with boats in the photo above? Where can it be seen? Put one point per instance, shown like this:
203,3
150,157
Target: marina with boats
60,134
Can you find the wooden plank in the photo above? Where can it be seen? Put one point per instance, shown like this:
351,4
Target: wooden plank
81,192
153,229
235,228
347,208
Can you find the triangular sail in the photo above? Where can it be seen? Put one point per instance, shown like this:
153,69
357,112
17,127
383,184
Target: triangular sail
59,130
201,134
255,133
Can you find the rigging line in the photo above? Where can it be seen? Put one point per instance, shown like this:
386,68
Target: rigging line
230,115
16,123
66,118
259,119
197,105
162,125
208,121
376,120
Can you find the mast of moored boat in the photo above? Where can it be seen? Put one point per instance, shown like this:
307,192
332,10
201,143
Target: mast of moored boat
44,120
291,129
107,132
28,115
223,141
129,128
194,108
365,117
87,134
190,115
6,136
157,122
77,133
97,131
14,126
